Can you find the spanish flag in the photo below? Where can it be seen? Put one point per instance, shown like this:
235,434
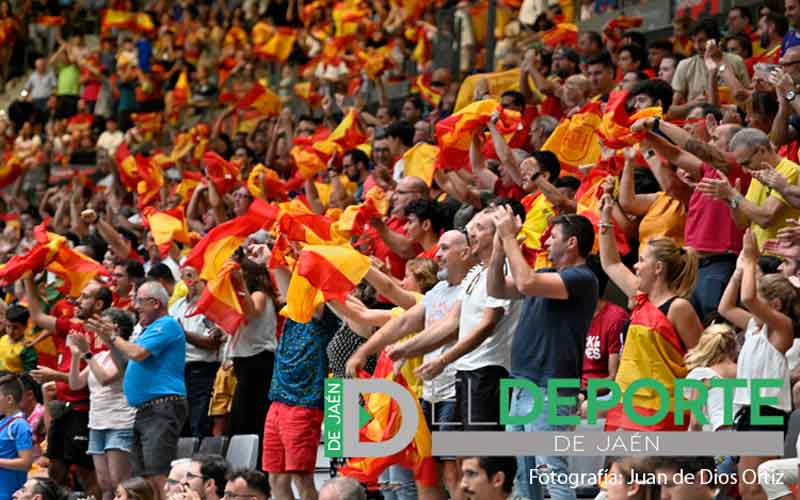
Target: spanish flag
499,82
349,134
614,29
574,141
385,423
412,8
151,180
265,183
219,301
374,61
561,34
422,84
306,92
52,252
615,126
222,173
279,47
322,273
307,228
346,16
538,212
127,168
132,21
310,160
182,92
211,252
354,219
588,197
189,182
420,161
454,133
653,349
422,48
262,99
167,226
12,168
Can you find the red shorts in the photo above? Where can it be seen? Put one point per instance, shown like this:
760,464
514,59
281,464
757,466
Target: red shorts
291,438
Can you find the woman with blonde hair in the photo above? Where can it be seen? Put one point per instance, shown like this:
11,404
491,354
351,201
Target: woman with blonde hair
663,326
714,357
768,319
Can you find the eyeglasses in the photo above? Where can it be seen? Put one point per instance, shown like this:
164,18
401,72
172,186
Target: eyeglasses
172,482
192,475
140,300
746,163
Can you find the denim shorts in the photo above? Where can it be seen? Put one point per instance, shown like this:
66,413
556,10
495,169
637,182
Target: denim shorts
103,440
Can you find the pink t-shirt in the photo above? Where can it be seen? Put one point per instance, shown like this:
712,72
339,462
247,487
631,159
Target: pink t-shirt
709,223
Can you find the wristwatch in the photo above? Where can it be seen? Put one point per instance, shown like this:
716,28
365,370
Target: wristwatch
735,201
112,338
87,356
790,95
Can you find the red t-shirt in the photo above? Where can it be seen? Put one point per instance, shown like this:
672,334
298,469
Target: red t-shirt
64,327
709,223
382,251
429,253
602,339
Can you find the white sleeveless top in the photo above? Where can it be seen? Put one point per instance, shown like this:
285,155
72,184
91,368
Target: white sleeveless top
256,336
760,359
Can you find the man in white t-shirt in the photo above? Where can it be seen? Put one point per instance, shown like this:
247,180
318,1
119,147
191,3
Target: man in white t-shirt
484,326
438,393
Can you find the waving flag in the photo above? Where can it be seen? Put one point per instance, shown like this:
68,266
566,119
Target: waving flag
128,170
261,98
189,182
131,21
306,92
374,61
615,126
499,82
589,194
75,269
182,92
454,133
354,219
211,252
574,141
11,169
429,94
420,161
614,29
323,273
219,301
151,180
385,423
222,173
264,182
561,34
167,226
349,134
279,46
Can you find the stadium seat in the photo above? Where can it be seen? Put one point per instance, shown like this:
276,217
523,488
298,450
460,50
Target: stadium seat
243,451
790,441
187,446
217,445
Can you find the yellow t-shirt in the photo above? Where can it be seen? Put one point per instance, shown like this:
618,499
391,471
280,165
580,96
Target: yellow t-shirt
759,194
10,351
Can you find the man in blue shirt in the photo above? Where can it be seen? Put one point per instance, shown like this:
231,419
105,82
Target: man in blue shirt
791,10
16,442
154,381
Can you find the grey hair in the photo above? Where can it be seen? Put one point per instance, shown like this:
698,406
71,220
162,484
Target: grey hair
180,461
346,488
750,138
156,291
123,319
547,123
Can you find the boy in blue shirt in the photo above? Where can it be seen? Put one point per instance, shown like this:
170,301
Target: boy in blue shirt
16,443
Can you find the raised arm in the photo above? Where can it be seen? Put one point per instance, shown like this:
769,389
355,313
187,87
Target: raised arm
728,304
389,288
632,203
780,329
39,318
609,253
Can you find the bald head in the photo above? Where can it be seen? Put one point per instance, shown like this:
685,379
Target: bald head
414,184
342,488
452,238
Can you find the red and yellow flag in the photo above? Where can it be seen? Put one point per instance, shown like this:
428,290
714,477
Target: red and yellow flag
349,134
182,92
614,28
615,126
261,98
499,82
355,218
561,34
189,182
306,92
53,253
151,180
167,226
211,252
422,84
265,183
454,133
132,21
219,301
653,349
574,141
222,173
127,168
278,47
322,273
385,423
420,161
11,169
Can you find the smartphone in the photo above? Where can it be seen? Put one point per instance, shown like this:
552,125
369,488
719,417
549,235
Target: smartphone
765,68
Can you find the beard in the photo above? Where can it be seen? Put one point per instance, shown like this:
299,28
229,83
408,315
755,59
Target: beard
441,275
